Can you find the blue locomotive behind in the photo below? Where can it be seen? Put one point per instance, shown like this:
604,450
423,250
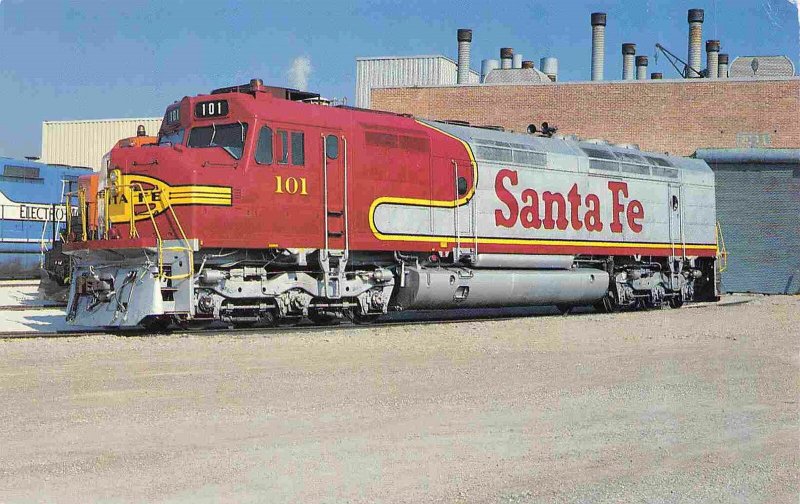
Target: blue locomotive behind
30,197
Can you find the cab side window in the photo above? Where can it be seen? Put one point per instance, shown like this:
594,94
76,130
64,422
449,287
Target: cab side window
298,145
283,146
264,147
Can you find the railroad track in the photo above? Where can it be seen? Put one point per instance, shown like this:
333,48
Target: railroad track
220,331
31,307
422,318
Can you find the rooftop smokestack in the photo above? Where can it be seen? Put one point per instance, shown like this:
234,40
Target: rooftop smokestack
528,64
723,66
516,61
506,55
464,42
549,66
712,59
628,56
487,66
598,44
656,76
641,67
695,59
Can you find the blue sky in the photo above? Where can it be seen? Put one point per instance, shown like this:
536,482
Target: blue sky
86,59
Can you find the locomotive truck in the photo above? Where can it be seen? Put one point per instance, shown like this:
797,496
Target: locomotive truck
261,204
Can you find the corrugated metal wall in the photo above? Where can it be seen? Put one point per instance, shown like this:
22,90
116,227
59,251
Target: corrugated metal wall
404,72
83,143
758,207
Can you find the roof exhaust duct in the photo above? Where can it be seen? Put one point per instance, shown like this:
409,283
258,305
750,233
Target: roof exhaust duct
487,66
723,66
464,42
549,66
628,56
712,59
598,44
656,76
695,59
516,61
528,64
506,55
641,67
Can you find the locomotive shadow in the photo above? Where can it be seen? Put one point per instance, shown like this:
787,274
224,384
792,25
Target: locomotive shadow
481,313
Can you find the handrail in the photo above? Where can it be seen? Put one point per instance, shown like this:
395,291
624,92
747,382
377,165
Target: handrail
134,188
189,250
457,250
159,240
68,212
722,251
82,213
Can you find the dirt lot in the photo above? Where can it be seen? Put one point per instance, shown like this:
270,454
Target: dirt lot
690,405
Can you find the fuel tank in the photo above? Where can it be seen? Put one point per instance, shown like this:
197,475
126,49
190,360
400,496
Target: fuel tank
451,287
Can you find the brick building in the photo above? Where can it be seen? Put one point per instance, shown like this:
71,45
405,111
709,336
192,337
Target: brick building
675,116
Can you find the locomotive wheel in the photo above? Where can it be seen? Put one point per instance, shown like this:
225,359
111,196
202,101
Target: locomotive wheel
156,324
268,319
289,321
676,301
608,304
322,318
357,317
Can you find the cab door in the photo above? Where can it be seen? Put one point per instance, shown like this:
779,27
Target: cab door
287,212
675,210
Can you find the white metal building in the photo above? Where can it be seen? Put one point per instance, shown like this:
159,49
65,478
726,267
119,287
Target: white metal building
84,143
404,71
761,67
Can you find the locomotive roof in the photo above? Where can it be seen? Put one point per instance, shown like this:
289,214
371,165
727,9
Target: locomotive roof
582,148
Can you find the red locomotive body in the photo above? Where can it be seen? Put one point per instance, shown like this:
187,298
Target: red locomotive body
259,203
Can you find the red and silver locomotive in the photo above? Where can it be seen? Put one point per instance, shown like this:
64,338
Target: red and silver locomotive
261,204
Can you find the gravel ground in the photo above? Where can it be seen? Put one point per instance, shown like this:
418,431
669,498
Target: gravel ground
690,405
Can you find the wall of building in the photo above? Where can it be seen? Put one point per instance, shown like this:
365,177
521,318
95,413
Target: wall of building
675,116
758,204
84,143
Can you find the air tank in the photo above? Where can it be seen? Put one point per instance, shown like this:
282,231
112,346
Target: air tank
453,287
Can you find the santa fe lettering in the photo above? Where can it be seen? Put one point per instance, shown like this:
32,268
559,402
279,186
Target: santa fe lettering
559,212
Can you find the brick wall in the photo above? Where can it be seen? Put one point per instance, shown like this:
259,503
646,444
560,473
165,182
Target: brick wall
663,116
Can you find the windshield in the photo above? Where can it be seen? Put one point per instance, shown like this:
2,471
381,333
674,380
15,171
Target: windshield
174,138
228,136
